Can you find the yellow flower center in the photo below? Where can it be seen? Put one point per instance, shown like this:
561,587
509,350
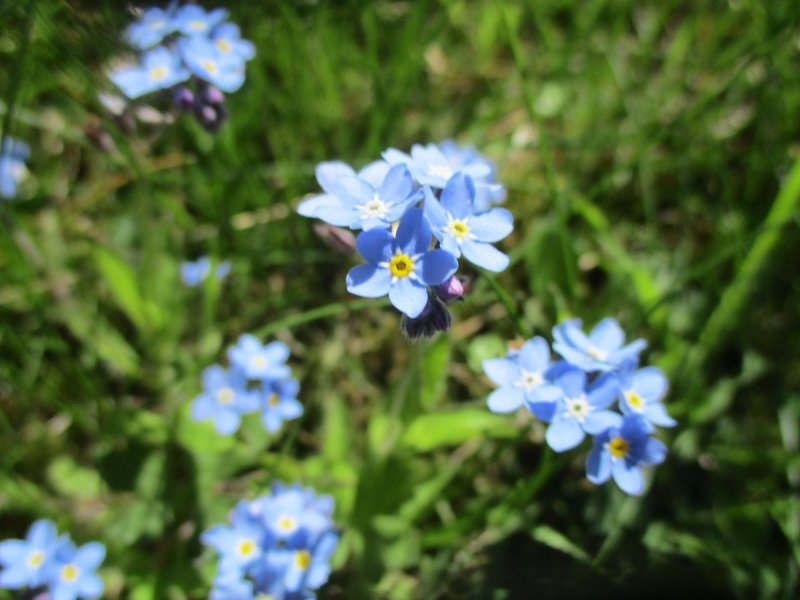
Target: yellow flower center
69,573
401,265
273,399
263,596
158,73
302,559
618,447
286,524
530,380
225,395
441,171
459,229
223,45
374,208
36,558
258,362
635,401
197,25
596,353
246,548
209,67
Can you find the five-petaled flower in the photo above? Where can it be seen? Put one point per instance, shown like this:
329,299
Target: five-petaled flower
601,350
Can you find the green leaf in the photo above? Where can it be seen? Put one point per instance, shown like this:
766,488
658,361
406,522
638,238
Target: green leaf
73,480
434,373
122,283
557,540
451,428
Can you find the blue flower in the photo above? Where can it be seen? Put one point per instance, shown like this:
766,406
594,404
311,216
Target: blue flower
400,266
620,451
461,231
358,204
12,166
580,410
160,69
151,28
204,59
523,378
328,175
195,273
192,20
641,392
434,165
72,574
602,350
280,403
25,562
228,40
259,361
225,399
310,568
239,545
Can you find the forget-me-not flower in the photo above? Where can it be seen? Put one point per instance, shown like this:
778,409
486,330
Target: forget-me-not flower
12,166
259,361
228,40
522,377
401,266
601,350
280,403
25,562
206,61
193,273
358,204
460,231
73,575
224,400
580,410
328,175
161,68
641,392
153,25
620,451
192,20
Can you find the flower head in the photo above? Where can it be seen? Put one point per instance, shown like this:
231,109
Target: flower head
192,20
72,574
193,273
401,266
279,402
12,166
601,350
25,562
227,38
151,28
461,231
224,400
161,68
620,451
641,392
206,61
259,361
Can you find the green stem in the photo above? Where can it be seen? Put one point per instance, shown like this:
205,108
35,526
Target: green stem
519,325
329,310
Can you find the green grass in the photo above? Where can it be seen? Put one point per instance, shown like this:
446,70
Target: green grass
651,154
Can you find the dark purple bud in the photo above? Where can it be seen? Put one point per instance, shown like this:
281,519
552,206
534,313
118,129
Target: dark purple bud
337,238
210,116
213,96
434,317
451,289
183,97
97,134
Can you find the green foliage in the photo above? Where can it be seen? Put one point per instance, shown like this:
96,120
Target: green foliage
651,154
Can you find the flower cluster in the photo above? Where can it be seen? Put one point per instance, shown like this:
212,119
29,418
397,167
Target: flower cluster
195,55
46,561
576,395
418,214
12,166
194,273
258,380
277,546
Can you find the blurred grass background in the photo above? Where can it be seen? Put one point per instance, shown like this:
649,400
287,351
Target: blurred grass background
650,151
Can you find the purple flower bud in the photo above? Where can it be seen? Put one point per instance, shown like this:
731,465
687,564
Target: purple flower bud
450,290
183,98
434,317
213,96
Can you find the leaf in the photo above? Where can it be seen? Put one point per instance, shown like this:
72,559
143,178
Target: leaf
122,283
74,480
451,428
434,373
557,540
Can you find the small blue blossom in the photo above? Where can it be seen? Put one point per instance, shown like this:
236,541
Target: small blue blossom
328,176
153,25
522,377
358,204
161,68
460,231
25,562
206,61
259,361
280,403
72,575
620,451
641,392
224,400
227,38
278,546
400,266
580,410
601,350
12,166
192,20
194,273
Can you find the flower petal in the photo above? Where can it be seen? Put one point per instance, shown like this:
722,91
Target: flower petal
328,173
414,232
369,281
628,477
90,555
607,335
375,245
408,297
436,266
600,420
492,226
506,400
534,354
650,383
564,434
598,465
502,371
485,256
458,195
